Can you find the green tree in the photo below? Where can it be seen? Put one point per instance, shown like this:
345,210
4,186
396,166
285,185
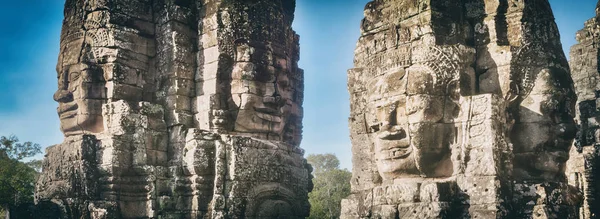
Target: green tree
323,162
17,178
331,185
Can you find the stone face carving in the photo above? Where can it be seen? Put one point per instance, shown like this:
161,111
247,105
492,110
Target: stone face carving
81,82
80,95
261,89
414,110
547,113
460,102
178,109
192,109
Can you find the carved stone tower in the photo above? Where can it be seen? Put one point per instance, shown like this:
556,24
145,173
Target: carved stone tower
461,109
583,166
178,109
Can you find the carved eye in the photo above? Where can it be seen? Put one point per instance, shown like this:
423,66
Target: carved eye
74,76
283,83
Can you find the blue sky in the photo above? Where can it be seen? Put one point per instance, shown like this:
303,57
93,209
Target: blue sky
328,30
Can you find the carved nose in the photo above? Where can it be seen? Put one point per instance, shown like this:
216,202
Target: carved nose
566,130
392,133
63,96
274,100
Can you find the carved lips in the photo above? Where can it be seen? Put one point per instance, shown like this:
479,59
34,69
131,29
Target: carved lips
393,144
67,110
268,114
395,153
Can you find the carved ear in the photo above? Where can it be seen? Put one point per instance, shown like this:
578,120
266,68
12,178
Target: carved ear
453,90
513,92
238,43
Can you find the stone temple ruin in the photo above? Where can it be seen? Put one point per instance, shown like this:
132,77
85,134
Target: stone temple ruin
193,109
584,163
468,109
178,109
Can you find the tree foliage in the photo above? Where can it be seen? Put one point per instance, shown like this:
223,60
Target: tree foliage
11,148
323,162
17,178
331,185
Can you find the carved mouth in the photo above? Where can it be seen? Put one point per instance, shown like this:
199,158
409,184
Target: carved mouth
392,135
67,110
267,110
268,114
270,118
561,156
396,132
396,153
393,149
